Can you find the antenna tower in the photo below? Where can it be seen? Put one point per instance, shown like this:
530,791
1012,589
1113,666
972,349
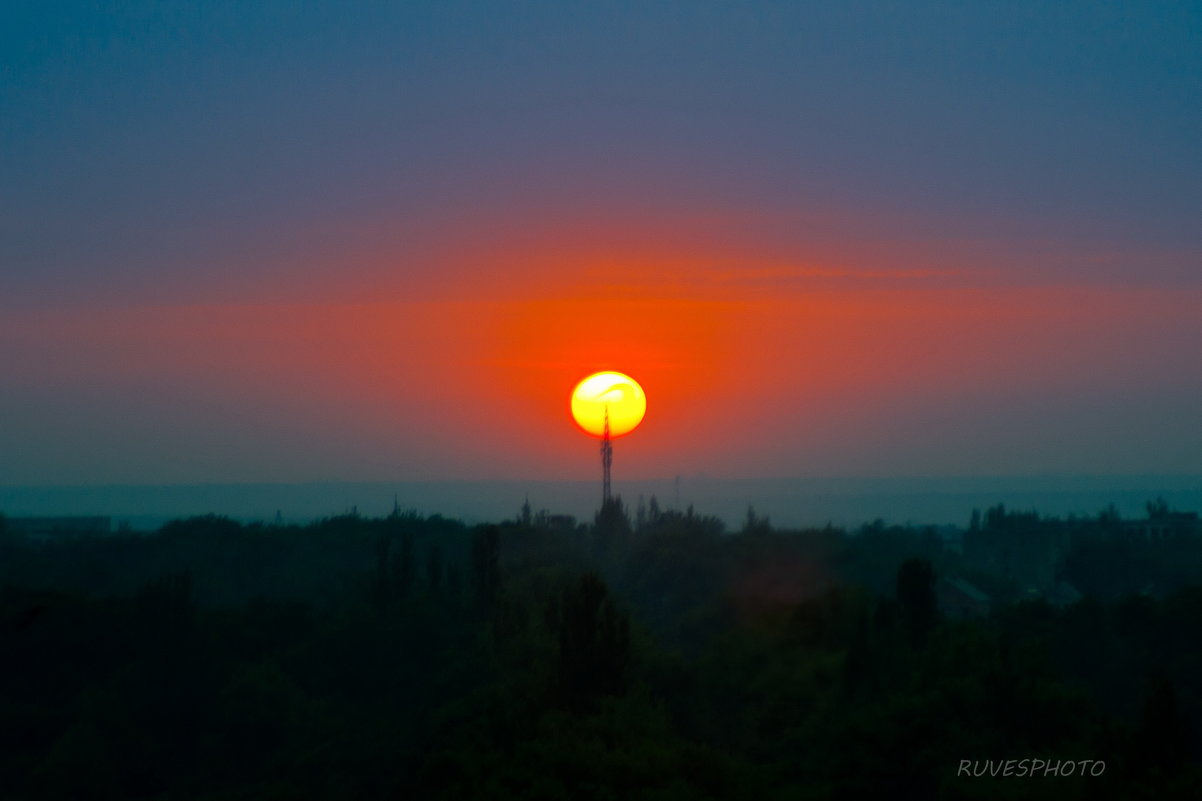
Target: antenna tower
607,458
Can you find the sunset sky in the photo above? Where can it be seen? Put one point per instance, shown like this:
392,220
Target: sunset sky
320,241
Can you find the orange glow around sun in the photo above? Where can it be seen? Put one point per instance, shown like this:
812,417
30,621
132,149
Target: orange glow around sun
617,393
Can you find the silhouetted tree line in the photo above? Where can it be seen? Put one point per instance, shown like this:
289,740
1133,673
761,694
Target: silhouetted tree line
658,657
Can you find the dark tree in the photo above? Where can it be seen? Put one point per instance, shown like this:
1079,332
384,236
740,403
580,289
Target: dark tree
166,606
753,524
454,585
486,566
1163,741
381,586
434,569
1157,508
916,595
404,567
594,644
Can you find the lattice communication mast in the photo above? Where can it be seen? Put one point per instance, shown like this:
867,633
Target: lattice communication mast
607,458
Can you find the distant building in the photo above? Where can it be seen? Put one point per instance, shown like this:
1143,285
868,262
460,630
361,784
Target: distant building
561,522
960,599
1018,546
952,538
57,529
1164,526
1063,594
545,520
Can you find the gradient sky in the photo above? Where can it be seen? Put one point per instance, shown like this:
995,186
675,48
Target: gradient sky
298,241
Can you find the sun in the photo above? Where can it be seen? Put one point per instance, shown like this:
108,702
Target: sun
617,393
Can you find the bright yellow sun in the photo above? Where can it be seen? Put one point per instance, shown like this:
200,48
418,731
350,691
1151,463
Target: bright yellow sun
616,393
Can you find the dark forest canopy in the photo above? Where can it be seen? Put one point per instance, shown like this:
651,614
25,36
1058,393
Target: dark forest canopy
645,655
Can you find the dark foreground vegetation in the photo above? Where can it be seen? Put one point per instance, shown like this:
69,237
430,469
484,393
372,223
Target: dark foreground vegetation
660,658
